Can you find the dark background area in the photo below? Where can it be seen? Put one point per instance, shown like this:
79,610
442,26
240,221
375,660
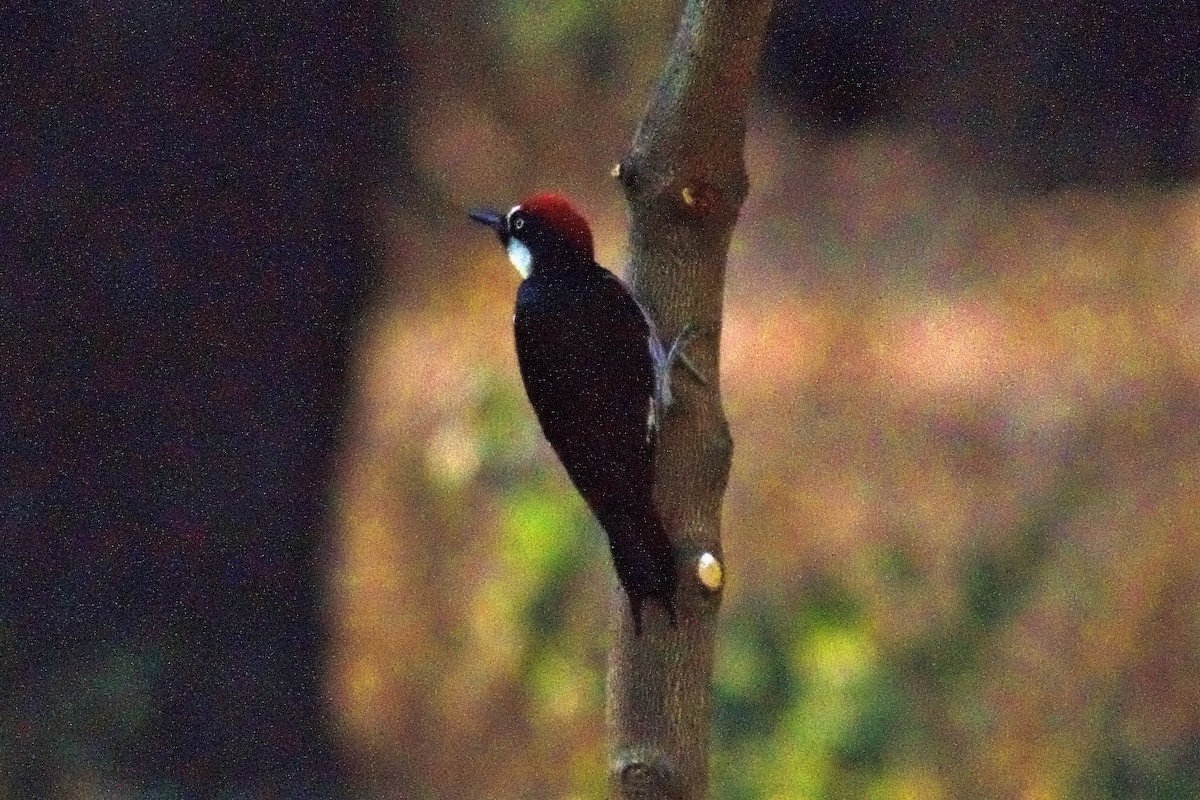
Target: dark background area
188,197
192,210
1029,96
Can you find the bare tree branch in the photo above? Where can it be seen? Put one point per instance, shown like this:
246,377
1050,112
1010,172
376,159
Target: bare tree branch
685,180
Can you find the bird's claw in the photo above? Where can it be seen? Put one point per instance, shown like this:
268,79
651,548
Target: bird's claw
664,395
690,331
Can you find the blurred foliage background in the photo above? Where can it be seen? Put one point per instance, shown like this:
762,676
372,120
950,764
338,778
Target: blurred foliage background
961,363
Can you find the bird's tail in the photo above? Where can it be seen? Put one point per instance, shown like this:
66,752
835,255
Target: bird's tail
643,558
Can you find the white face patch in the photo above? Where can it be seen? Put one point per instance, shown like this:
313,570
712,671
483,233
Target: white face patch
520,257
518,253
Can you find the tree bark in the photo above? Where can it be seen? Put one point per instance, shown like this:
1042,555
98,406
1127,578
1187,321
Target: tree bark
685,180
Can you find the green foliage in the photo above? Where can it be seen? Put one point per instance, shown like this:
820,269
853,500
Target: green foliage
83,715
543,528
1126,774
538,26
804,703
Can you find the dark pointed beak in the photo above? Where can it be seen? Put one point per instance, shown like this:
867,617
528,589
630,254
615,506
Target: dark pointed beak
490,217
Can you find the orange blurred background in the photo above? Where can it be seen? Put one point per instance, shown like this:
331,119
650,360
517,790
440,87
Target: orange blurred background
964,514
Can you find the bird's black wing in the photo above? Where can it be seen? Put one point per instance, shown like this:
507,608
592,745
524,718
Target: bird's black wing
585,358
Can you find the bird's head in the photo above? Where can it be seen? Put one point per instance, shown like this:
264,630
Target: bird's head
542,233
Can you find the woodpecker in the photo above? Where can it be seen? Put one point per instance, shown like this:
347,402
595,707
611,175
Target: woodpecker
598,378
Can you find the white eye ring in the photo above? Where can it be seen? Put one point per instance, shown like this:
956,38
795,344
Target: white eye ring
518,223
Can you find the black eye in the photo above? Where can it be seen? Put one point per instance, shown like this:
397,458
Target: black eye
518,223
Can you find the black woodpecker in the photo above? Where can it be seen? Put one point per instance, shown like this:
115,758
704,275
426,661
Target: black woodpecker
598,378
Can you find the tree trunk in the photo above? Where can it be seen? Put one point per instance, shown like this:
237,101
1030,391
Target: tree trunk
685,180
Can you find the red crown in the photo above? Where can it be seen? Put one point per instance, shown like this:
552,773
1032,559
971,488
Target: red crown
557,212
